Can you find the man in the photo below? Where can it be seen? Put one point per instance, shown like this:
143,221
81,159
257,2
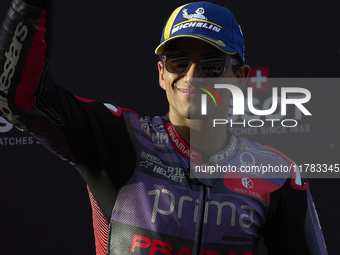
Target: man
155,202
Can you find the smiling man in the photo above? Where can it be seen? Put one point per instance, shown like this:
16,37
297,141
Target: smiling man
145,193
184,60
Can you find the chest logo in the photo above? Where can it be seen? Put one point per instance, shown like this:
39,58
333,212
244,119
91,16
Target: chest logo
247,183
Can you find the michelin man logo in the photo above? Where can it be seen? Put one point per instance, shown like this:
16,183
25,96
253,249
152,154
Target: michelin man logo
197,15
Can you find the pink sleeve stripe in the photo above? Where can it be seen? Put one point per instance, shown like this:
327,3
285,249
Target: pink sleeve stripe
100,226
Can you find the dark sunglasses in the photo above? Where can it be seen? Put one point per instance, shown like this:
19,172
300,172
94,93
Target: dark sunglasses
210,65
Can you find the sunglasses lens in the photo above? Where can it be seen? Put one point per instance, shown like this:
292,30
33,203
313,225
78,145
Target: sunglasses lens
177,63
213,67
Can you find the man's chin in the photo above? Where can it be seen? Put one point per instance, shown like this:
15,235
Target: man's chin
197,115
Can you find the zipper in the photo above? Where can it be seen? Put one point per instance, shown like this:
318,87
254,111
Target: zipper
206,196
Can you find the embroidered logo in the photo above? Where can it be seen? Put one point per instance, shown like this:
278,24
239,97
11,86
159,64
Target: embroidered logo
197,15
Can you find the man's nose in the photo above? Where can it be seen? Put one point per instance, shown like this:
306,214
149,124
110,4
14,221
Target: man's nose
193,71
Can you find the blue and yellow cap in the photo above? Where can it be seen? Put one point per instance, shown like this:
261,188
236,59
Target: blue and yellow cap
205,21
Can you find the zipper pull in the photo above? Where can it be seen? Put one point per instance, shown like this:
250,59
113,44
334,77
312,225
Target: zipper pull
207,190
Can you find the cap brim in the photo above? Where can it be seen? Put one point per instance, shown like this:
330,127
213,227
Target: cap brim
208,39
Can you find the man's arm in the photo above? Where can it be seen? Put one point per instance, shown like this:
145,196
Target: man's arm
292,224
19,34
86,133
27,93
78,130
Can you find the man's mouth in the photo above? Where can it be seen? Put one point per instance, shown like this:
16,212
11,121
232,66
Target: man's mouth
194,92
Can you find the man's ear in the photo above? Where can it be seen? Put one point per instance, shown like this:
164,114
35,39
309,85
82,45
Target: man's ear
161,74
242,76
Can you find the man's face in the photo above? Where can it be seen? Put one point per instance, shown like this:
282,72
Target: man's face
180,91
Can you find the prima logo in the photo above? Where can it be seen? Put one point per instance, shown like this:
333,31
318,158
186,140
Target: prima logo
169,201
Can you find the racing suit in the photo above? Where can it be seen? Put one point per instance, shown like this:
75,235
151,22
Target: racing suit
149,203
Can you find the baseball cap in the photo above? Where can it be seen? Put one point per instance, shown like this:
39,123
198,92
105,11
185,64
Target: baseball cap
205,21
